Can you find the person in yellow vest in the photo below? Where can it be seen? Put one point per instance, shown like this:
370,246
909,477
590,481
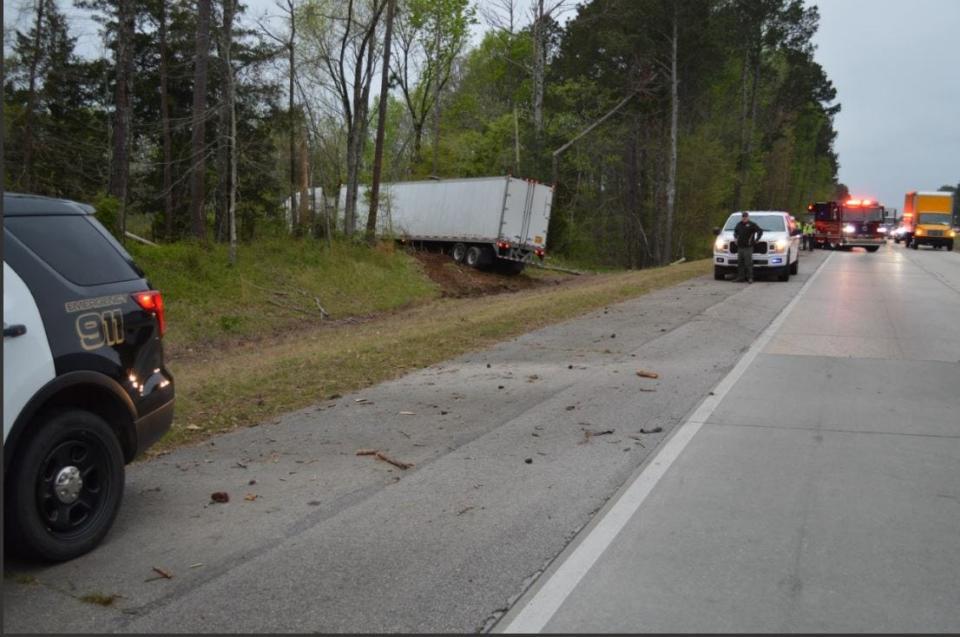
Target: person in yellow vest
808,232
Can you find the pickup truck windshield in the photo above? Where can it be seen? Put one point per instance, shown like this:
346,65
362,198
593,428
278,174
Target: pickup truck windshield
767,223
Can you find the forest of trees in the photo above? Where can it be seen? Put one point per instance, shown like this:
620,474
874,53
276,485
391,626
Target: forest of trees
655,118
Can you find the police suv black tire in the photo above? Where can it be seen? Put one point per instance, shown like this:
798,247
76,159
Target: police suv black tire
872,248
40,521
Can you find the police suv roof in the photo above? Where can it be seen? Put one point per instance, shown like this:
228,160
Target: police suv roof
20,205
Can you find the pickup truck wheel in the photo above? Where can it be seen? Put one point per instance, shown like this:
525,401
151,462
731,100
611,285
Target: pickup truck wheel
459,252
66,487
718,274
872,248
473,257
784,274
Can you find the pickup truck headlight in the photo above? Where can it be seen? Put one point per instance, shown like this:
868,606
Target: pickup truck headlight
719,244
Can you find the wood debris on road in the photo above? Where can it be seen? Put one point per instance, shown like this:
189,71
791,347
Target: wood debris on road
645,374
382,456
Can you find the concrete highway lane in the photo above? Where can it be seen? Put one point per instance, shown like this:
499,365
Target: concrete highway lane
507,470
818,490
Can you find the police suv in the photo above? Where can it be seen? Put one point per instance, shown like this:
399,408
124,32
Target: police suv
85,389
777,251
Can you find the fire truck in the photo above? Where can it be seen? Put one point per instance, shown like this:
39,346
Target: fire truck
847,224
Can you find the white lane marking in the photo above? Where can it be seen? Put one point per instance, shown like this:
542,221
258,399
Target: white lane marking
545,603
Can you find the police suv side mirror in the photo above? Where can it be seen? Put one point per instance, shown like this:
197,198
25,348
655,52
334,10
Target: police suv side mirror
716,231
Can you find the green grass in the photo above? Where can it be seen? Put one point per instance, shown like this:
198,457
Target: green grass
277,285
248,385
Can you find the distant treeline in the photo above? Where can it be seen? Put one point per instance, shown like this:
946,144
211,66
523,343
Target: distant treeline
656,118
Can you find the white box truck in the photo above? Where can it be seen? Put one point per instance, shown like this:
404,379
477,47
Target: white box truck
482,221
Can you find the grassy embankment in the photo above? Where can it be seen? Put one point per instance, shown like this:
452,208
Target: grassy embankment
248,344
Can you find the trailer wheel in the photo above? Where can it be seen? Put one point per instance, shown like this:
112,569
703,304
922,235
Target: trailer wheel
473,257
459,252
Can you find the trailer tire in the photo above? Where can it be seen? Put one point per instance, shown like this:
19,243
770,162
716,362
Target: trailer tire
473,257
459,252
872,248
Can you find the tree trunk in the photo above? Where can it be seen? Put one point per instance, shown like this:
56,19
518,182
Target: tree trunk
381,126
32,101
229,7
198,153
304,188
291,105
165,125
120,166
672,167
539,70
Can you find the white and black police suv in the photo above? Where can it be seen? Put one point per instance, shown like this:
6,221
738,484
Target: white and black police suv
85,389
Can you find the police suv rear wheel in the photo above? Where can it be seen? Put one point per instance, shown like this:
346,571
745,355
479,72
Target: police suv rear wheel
67,486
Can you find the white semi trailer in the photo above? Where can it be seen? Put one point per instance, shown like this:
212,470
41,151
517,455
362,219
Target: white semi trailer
481,221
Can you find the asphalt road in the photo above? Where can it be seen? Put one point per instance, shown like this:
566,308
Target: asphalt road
505,477
818,490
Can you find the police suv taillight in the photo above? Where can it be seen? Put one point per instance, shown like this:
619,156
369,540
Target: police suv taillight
152,301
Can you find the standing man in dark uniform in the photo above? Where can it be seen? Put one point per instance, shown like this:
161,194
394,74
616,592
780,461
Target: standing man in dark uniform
746,233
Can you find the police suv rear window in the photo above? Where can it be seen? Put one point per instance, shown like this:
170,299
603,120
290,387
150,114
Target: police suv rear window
74,247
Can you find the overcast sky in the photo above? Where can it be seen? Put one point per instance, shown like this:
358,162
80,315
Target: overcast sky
896,67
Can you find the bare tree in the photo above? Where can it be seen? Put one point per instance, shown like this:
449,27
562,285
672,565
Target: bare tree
342,40
198,121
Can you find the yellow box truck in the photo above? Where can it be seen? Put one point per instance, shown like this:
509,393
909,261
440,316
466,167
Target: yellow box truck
927,218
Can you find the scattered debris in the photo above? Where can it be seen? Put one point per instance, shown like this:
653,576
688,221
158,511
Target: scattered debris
499,386
252,482
162,573
488,365
407,413
588,434
220,496
569,366
100,599
334,396
533,377
613,336
647,389
313,503
359,400
645,374
382,456
193,428
655,430
528,460
571,407
250,497
464,510
240,465
444,413
404,432
197,565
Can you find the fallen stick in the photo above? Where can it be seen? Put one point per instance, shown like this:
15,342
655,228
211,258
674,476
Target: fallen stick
382,456
645,374
162,573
